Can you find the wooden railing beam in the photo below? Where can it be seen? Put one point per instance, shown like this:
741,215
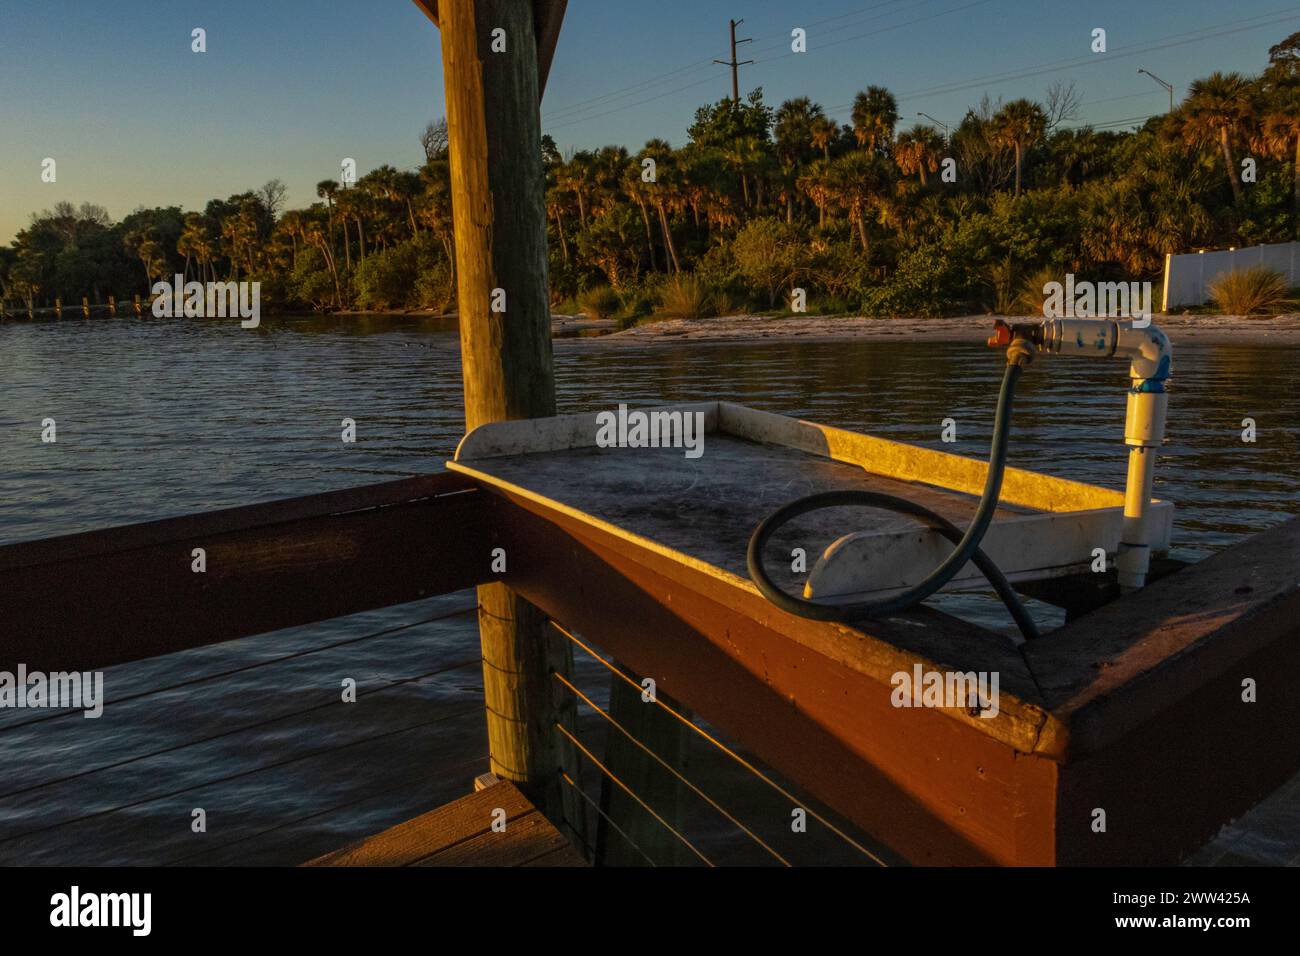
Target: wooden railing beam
91,600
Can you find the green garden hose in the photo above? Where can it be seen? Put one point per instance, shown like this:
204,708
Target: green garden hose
967,543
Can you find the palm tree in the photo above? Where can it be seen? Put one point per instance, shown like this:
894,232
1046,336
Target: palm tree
353,204
793,132
875,114
291,224
1019,125
1279,135
190,240
326,189
821,133
435,209
1218,109
918,150
144,245
555,203
817,183
858,181
666,194
314,235
578,176
641,193
793,128
745,155
703,181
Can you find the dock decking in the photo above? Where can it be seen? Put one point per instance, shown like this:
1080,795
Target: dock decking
461,834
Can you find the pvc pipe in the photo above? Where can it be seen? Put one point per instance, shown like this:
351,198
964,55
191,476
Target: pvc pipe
1150,361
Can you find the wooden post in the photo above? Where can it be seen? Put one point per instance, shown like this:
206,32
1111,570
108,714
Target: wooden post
85,307
137,304
112,305
499,215
58,308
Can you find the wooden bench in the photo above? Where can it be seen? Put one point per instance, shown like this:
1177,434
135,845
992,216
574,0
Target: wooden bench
461,834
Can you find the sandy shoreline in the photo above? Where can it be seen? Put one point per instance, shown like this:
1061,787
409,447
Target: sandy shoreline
749,329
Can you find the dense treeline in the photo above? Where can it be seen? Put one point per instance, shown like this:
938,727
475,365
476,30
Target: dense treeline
865,216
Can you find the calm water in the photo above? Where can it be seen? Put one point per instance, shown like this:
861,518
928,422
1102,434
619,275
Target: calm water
163,418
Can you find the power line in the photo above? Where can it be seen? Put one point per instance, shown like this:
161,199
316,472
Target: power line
570,110
1195,36
1174,40
570,116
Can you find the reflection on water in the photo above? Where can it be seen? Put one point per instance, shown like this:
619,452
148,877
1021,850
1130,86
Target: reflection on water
166,417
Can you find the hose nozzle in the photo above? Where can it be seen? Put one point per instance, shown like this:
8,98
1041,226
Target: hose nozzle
1020,341
1004,334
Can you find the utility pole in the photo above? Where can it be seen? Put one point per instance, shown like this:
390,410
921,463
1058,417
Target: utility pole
735,81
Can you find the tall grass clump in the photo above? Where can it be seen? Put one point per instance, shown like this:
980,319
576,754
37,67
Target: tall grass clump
1255,289
599,302
686,297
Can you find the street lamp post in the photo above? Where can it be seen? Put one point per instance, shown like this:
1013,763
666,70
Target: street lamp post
937,123
1167,86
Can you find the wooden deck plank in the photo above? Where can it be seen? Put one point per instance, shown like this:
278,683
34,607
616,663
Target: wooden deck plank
523,839
566,856
460,834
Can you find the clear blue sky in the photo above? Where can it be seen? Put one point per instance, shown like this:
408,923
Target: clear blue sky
287,88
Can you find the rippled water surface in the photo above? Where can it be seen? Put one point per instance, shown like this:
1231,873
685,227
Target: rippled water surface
162,418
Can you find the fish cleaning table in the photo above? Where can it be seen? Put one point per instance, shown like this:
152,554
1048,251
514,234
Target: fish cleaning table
703,509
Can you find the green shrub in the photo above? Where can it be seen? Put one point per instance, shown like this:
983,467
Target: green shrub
435,288
687,296
311,284
599,302
926,282
1243,291
385,279
639,298
717,269
770,255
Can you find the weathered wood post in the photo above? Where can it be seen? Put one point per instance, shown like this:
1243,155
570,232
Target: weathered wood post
85,307
58,307
137,305
112,305
490,66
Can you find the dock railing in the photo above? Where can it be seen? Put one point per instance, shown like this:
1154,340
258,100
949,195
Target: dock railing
673,668
89,601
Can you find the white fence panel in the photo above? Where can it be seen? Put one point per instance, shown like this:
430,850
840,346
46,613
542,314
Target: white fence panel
1188,276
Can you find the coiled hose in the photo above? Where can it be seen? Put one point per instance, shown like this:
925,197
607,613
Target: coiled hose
967,544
